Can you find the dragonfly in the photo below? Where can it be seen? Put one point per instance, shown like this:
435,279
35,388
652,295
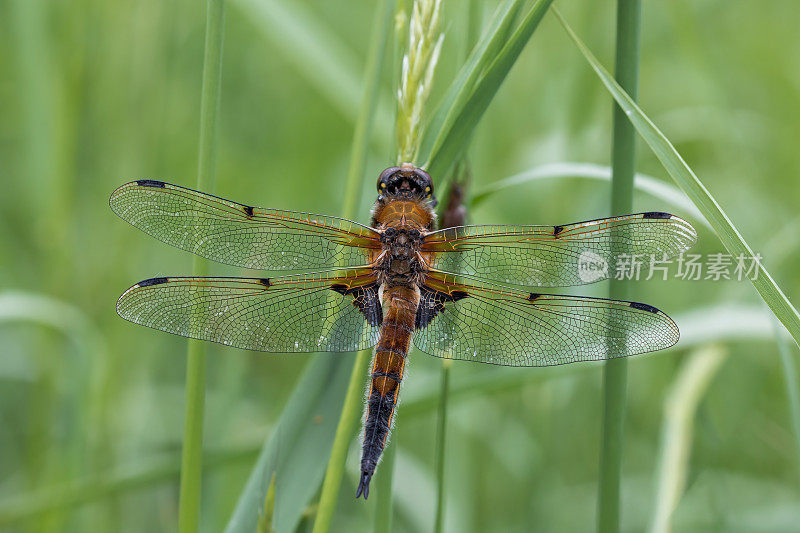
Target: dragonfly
465,293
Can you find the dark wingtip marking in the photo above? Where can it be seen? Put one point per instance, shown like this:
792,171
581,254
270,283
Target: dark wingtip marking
656,214
363,485
151,183
533,296
644,307
557,230
249,211
152,281
264,282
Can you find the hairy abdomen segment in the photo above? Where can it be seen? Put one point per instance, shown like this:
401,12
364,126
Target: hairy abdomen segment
400,308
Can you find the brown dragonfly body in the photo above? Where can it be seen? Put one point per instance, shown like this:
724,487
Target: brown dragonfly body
402,217
394,283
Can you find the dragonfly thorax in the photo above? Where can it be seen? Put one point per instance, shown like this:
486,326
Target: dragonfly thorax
401,246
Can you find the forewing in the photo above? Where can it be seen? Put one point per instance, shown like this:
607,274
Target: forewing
241,235
315,313
502,326
558,256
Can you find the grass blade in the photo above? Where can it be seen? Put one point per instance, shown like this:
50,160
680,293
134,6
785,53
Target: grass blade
687,180
320,56
493,40
623,168
469,106
192,457
441,432
384,506
288,453
30,507
351,410
655,187
680,408
789,368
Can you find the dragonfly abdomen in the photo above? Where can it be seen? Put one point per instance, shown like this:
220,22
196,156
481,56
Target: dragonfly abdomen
400,308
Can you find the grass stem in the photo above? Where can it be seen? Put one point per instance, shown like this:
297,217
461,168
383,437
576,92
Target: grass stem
192,458
351,410
384,508
680,409
615,371
789,368
441,434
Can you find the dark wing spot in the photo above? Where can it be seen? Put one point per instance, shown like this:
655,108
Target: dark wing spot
644,307
431,303
341,289
458,295
365,298
152,281
656,214
533,296
150,183
248,211
264,281
557,230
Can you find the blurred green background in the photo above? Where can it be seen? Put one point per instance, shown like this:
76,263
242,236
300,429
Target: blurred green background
94,94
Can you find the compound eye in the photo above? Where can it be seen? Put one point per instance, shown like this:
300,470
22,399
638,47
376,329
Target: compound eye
386,174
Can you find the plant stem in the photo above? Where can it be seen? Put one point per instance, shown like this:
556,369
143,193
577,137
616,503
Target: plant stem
440,445
351,410
615,371
384,508
192,458
792,390
680,409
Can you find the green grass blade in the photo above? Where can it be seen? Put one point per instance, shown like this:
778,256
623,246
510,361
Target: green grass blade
680,409
666,192
300,470
623,168
686,179
384,506
30,507
192,458
297,449
789,368
492,41
318,53
351,410
441,433
469,106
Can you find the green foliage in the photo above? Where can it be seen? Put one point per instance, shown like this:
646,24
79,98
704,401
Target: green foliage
97,94
677,168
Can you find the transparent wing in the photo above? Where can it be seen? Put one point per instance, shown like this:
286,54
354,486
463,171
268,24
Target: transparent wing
240,235
557,256
312,313
502,326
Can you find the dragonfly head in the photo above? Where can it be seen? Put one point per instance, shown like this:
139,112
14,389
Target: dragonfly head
406,181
